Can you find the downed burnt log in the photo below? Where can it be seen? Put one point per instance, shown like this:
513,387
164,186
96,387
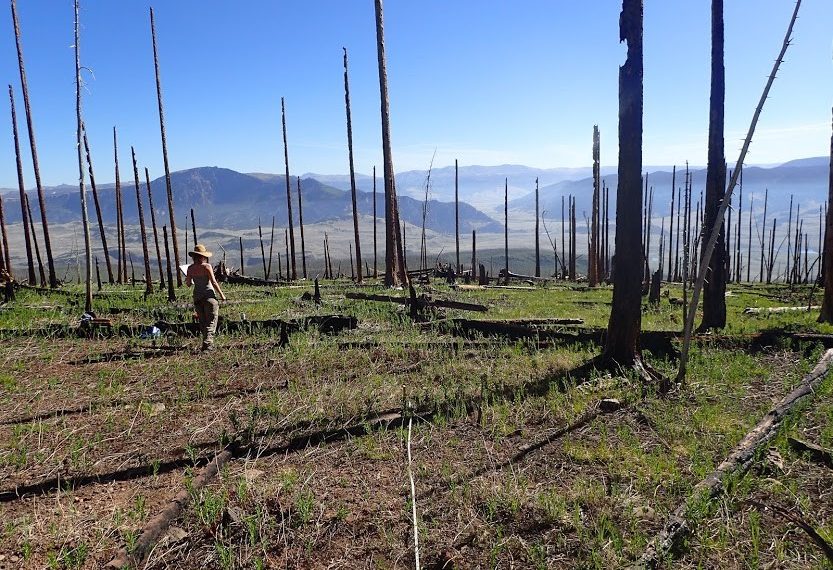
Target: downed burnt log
237,279
423,299
679,525
325,323
661,343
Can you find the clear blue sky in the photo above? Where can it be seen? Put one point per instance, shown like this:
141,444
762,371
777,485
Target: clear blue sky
488,82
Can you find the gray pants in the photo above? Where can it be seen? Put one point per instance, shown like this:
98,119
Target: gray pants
208,311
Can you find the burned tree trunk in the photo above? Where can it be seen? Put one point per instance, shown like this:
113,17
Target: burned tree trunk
193,230
148,280
294,274
171,293
395,272
122,247
53,279
102,232
671,222
41,272
242,263
573,240
714,290
537,234
375,250
352,174
30,264
155,233
593,250
7,259
563,256
301,227
622,344
170,194
459,267
85,222
763,231
826,315
271,246
506,229
473,254
262,251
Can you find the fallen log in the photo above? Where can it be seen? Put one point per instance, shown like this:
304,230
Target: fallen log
510,287
422,300
678,526
156,526
770,310
816,452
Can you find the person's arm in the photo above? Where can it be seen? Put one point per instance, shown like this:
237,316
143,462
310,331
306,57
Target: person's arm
188,281
214,281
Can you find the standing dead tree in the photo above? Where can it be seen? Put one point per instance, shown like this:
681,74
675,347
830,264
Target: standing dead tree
122,248
714,294
352,172
271,248
155,233
301,227
7,258
593,251
148,280
713,237
459,267
375,250
101,230
85,222
53,280
395,272
622,343
168,188
826,314
30,264
506,229
537,233
171,293
671,220
41,271
291,226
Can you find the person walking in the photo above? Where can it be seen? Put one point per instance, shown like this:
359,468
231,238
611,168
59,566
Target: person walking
201,276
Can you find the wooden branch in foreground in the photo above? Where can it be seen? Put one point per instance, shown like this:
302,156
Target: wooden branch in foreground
157,526
765,310
677,527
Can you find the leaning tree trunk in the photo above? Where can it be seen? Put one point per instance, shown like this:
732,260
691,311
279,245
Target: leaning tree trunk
148,280
53,280
88,257
30,262
35,242
395,274
826,315
98,210
593,250
714,291
622,344
352,173
155,233
294,274
170,194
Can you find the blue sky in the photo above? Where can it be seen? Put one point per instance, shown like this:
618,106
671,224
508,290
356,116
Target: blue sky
487,82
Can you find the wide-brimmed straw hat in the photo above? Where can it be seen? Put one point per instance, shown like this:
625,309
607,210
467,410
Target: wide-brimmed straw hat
199,249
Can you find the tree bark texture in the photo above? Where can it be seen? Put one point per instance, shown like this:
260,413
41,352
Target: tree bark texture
622,344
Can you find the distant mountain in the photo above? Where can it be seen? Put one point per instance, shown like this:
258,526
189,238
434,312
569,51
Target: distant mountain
814,161
481,186
805,179
223,198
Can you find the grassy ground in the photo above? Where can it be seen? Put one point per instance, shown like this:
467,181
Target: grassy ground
534,477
